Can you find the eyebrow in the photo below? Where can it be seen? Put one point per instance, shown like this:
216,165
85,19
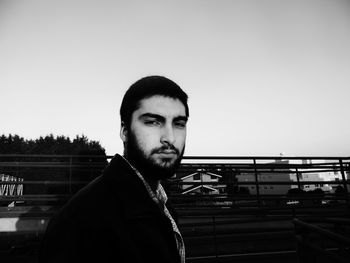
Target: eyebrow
181,118
160,117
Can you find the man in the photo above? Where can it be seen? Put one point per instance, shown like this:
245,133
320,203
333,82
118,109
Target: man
123,215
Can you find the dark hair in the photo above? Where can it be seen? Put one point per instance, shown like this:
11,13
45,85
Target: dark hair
148,87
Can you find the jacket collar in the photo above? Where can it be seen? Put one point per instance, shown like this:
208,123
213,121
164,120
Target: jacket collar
129,190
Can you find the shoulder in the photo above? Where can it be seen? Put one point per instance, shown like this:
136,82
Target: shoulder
100,195
81,218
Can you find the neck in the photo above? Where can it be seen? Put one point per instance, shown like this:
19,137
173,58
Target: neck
153,183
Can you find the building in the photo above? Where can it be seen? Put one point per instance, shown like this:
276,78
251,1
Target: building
314,177
281,181
201,182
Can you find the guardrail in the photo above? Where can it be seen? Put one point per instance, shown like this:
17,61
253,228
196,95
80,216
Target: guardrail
222,182
229,197
317,244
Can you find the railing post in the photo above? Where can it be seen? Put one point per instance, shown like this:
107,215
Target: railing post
17,168
70,175
257,184
91,171
298,179
215,239
345,184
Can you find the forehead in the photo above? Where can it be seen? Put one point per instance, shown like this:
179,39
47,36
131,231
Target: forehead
161,105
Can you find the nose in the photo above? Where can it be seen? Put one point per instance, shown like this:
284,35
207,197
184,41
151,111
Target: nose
167,135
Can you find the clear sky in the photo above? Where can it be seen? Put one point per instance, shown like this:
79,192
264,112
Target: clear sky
263,77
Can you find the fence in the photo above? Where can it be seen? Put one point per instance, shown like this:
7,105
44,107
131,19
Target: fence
321,242
203,185
260,183
262,178
228,207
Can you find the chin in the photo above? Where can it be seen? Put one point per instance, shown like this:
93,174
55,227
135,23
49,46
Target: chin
167,164
162,170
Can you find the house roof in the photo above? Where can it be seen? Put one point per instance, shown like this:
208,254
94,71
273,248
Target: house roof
211,174
219,176
193,188
187,176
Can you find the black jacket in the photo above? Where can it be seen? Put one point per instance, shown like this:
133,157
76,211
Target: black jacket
113,219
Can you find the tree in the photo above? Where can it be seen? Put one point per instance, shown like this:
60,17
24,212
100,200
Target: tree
84,168
297,195
317,195
14,144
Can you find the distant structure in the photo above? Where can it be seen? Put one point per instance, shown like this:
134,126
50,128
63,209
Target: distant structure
330,174
314,177
281,175
275,177
9,188
295,171
205,183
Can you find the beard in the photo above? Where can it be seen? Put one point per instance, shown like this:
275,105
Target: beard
149,167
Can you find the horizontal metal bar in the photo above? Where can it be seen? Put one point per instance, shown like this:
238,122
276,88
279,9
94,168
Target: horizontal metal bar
323,232
188,157
261,182
56,156
268,157
234,257
46,182
224,184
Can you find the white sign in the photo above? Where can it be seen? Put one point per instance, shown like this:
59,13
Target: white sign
9,189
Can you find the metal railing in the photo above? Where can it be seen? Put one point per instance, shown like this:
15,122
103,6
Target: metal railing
317,244
248,200
259,181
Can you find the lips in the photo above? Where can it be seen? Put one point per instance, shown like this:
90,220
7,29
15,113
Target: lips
167,152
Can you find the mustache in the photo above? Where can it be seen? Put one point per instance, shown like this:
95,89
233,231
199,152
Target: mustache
166,148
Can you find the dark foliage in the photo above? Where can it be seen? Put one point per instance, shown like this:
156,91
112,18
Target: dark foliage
295,192
71,163
243,190
14,144
339,190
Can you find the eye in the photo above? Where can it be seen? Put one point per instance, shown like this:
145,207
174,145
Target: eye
180,124
152,122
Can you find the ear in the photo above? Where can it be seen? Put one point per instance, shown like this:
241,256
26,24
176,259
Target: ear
123,132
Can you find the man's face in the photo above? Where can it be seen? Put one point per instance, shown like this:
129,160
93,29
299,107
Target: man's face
155,138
